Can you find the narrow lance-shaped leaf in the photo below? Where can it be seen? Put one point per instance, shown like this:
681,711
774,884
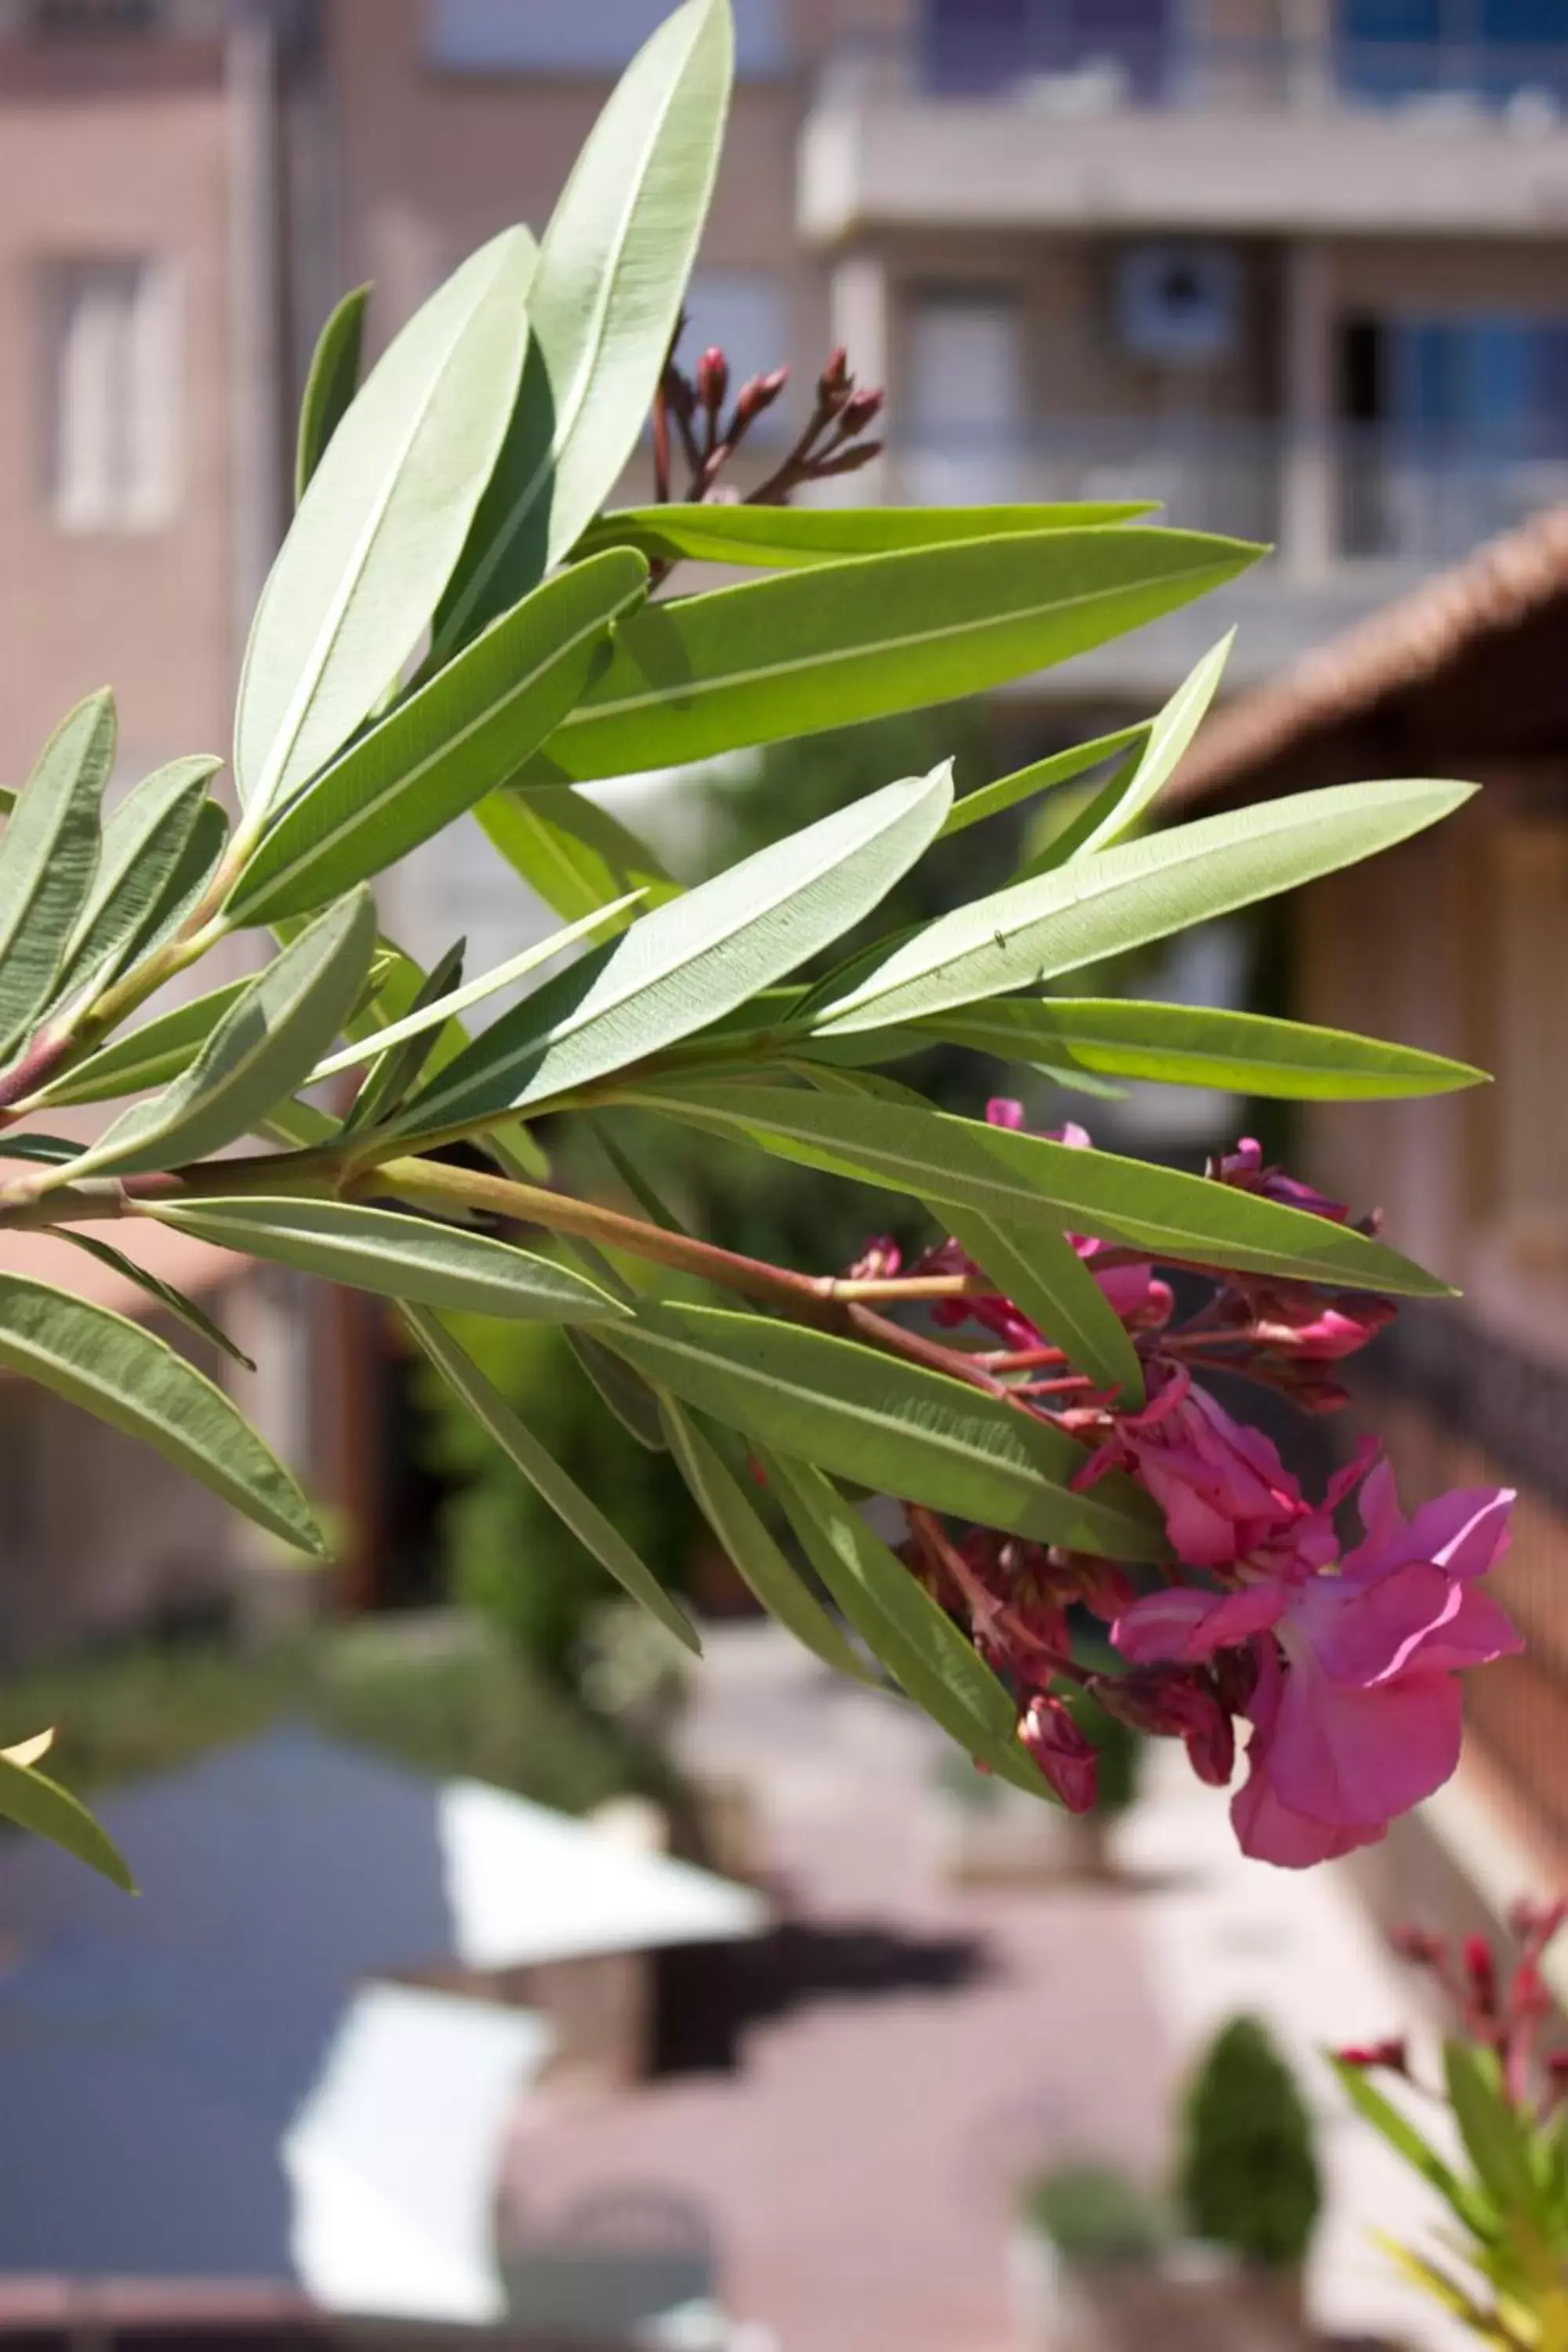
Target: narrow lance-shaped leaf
465,733
149,1056
120,1373
1029,1181
331,385
622,1391
145,844
443,1005
572,853
886,1424
1039,1270
849,641
49,855
1042,776
166,1295
1139,891
383,524
781,538
1117,806
613,267
902,1625
35,1802
1471,2206
193,870
592,1530
750,1547
263,1048
1193,1045
410,1258
395,1067
688,963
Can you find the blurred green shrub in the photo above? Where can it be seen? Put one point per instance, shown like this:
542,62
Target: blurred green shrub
1248,2177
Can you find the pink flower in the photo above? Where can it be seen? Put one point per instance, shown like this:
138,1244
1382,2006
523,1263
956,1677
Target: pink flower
1226,1494
1356,1712
1243,1168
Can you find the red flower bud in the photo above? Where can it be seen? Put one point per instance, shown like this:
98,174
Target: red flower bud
1480,1971
1392,2053
859,411
1063,1750
832,384
712,378
758,392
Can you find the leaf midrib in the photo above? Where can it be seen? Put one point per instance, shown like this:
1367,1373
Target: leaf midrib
595,714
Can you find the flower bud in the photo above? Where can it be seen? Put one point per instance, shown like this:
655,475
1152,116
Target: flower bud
1392,2053
859,411
1063,1750
712,378
833,384
758,392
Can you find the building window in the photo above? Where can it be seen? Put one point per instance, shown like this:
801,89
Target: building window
65,20
596,37
1491,51
1118,47
113,369
966,402
746,313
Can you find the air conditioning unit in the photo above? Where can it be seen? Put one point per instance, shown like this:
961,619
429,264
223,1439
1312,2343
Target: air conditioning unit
1178,300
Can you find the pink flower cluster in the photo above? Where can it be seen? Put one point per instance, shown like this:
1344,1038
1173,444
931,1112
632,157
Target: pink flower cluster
1341,1664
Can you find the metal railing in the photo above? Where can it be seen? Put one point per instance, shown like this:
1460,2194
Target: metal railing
1362,493
1067,72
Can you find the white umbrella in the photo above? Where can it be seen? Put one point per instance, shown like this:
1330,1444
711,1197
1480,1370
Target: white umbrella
292,1855
163,2122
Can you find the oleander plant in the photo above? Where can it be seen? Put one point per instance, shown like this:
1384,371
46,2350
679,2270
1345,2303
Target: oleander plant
458,621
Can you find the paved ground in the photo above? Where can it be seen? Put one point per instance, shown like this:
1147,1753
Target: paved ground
858,2165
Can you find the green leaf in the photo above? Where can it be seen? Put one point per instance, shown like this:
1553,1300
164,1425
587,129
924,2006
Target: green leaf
690,963
1117,806
902,1625
1494,2135
167,1295
196,866
781,538
265,1047
120,1372
399,1256
1044,776
1191,1045
747,1543
844,642
613,267
1030,1183
886,1424
35,1802
1470,2205
547,1478
622,1390
439,752
572,855
440,1008
331,385
49,855
51,1149
1143,890
395,1062
382,524
1039,1270
146,845
150,1056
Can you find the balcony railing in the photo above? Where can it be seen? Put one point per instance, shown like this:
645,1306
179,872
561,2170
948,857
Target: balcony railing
1363,492
1070,73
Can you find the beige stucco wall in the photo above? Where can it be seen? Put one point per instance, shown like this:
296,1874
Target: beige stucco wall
122,154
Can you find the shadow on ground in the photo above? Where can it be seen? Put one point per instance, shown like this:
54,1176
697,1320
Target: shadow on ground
707,1998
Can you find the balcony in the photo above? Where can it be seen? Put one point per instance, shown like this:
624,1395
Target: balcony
1353,517
1028,128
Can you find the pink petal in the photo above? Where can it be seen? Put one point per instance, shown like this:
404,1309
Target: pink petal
1355,1757
1478,1633
1466,1532
1268,1831
1185,1625
1361,1633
